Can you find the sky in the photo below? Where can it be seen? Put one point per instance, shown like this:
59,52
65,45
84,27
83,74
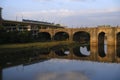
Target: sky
71,13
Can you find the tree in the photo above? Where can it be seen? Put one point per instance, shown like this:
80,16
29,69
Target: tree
24,37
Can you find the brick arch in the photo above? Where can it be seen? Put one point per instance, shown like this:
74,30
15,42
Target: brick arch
101,46
82,36
47,31
68,31
44,36
61,35
105,30
101,32
107,36
80,30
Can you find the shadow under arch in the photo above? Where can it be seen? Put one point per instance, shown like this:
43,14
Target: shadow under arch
118,45
44,36
101,44
60,36
81,37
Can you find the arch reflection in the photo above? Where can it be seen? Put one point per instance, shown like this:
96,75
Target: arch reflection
118,45
82,51
61,50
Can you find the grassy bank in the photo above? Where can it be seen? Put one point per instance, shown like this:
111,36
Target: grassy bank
36,44
10,48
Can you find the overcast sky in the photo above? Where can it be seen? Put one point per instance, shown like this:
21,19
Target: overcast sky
72,13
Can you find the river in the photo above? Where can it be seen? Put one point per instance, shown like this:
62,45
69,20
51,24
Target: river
60,69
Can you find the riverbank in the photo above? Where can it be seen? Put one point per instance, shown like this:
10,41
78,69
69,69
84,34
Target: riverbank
11,48
36,44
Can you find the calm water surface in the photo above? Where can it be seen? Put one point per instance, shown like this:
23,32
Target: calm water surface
61,69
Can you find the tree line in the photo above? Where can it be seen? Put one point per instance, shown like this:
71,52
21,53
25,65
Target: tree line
15,36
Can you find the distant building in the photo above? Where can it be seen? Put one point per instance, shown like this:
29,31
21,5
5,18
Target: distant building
26,25
33,21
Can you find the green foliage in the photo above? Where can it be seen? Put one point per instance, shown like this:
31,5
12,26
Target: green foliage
1,29
15,37
24,37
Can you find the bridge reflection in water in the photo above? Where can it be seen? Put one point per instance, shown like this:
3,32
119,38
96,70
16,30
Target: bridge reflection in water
103,41
102,53
76,52
86,52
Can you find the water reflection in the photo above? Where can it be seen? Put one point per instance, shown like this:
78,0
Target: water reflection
61,50
81,51
61,69
67,52
37,64
118,51
85,51
105,48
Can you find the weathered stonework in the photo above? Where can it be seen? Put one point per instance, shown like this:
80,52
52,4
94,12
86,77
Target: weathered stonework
110,34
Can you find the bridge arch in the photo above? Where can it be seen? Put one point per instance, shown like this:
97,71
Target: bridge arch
44,36
102,47
60,36
81,36
118,45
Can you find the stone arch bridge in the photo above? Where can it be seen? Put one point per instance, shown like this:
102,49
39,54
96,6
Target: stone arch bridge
98,36
110,33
